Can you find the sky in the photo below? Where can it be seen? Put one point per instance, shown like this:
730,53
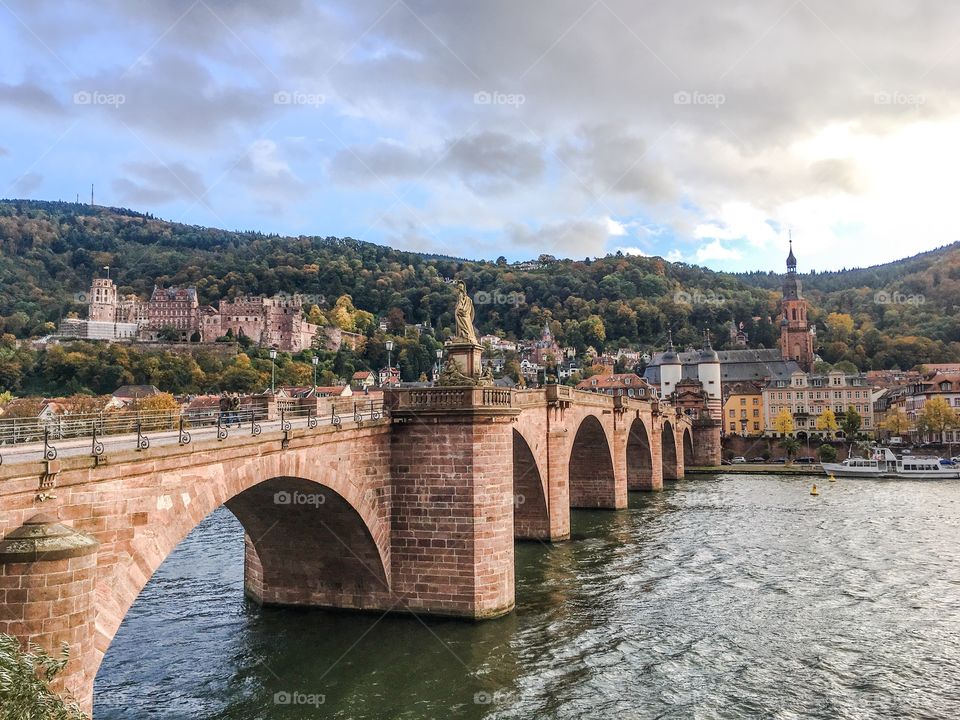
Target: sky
698,131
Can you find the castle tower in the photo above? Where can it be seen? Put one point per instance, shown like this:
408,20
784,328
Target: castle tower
708,372
796,336
671,370
103,300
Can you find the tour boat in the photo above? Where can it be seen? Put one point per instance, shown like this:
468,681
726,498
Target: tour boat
884,464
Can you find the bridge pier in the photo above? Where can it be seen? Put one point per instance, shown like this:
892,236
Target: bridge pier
453,501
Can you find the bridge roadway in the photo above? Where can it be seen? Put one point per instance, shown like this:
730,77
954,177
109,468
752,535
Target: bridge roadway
416,511
36,451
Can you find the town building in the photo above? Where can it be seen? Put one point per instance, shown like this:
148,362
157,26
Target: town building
806,396
546,351
743,408
620,384
363,379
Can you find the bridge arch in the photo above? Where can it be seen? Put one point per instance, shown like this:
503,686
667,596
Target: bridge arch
687,447
312,536
668,451
531,517
639,457
592,480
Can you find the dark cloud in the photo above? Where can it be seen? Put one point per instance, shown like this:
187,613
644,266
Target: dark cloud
29,98
488,163
158,183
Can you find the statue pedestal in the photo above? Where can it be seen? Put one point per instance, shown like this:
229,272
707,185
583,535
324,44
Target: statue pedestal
467,356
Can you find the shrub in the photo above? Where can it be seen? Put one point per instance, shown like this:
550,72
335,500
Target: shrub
828,453
25,677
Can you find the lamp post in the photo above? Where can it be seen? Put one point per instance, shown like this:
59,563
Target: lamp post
315,362
273,371
389,358
439,360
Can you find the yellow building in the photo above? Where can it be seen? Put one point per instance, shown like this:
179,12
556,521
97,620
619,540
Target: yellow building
743,409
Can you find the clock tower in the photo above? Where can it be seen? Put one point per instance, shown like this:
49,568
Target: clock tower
796,335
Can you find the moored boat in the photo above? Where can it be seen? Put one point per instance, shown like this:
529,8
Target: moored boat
882,463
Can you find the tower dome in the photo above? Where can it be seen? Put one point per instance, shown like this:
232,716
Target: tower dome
791,259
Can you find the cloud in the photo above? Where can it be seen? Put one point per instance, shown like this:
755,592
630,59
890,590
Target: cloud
27,183
571,238
716,251
487,163
156,183
718,124
4,151
29,98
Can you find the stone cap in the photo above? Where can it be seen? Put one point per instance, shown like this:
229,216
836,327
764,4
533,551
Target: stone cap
42,537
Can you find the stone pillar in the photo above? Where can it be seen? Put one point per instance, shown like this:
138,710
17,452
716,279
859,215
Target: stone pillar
558,475
619,450
47,586
452,529
467,356
706,443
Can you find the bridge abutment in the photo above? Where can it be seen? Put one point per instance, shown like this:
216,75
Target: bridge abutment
47,581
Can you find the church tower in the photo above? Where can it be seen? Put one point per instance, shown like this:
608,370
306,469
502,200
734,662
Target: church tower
796,335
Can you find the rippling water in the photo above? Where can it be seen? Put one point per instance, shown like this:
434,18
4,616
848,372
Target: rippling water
722,597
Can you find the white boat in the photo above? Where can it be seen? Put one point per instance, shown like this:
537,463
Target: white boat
882,463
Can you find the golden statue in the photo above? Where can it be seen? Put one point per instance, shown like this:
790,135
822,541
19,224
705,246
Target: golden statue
465,314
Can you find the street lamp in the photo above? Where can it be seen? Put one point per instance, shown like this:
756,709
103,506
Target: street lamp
389,358
439,359
273,370
315,362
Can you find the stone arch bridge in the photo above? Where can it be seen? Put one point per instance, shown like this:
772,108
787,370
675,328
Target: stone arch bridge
416,511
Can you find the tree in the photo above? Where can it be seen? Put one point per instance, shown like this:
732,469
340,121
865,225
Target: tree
783,422
936,418
168,333
790,446
850,423
839,326
827,422
896,423
827,453
25,677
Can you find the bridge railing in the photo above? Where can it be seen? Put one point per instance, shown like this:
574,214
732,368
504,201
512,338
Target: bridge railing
15,433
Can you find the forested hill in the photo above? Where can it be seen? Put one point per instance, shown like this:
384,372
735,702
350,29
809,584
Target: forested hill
49,251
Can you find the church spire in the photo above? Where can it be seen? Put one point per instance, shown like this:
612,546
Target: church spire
791,260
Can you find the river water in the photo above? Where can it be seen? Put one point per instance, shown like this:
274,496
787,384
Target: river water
722,597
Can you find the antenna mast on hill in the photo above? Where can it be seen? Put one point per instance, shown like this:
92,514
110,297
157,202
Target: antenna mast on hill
91,194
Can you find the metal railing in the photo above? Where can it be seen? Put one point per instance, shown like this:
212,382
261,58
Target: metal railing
15,433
